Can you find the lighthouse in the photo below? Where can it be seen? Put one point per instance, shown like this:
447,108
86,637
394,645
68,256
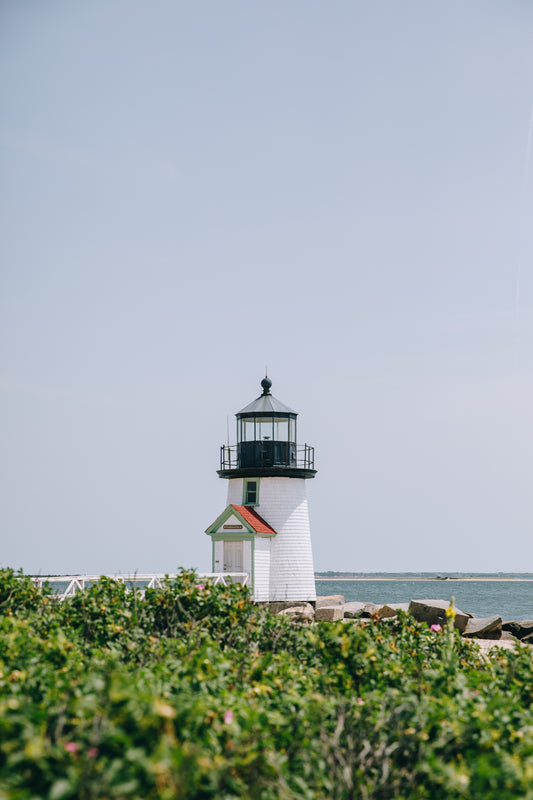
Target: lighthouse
264,529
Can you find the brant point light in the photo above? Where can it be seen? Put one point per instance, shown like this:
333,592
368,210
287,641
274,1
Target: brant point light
265,529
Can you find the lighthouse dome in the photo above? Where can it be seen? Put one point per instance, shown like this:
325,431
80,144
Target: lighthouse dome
266,402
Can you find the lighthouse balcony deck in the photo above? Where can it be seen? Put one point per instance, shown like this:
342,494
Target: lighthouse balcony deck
267,458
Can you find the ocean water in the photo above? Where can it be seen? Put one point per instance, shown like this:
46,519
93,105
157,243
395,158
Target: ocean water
509,598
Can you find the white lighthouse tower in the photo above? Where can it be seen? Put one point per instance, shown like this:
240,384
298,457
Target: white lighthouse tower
265,529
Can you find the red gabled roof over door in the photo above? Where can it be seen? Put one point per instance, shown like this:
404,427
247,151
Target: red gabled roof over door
253,519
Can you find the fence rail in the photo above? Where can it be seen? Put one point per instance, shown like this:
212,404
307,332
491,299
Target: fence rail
76,583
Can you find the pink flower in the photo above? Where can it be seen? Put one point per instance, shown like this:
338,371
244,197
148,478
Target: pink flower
228,717
435,627
360,701
92,752
200,586
72,747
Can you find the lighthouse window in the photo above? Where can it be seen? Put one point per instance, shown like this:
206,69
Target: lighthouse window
281,430
251,492
264,428
248,430
292,430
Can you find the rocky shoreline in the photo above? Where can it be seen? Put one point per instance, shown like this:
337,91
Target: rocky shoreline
333,608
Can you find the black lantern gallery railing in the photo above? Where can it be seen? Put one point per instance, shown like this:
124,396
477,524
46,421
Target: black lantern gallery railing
265,454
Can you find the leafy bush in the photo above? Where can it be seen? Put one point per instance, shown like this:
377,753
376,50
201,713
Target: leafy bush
191,691
19,593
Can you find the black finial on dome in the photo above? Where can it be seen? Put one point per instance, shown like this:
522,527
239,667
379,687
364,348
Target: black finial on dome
266,383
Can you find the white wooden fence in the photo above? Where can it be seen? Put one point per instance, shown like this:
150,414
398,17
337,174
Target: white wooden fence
76,583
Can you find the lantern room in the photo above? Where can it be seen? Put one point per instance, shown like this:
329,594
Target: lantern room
266,442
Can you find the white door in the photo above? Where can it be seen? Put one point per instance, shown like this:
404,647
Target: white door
233,556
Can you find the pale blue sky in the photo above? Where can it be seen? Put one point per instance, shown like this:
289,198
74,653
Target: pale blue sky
340,190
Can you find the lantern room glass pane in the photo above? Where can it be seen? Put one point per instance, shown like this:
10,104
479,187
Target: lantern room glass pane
281,430
248,433
292,430
264,428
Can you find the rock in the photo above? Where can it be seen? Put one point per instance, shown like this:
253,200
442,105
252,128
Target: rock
398,606
354,609
275,606
329,613
365,610
528,639
487,645
434,613
330,600
300,613
368,610
384,612
483,628
519,629
507,636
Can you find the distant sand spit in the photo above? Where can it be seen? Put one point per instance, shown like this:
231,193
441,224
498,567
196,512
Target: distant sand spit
437,580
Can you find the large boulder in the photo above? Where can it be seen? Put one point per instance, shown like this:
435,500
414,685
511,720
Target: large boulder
329,613
365,613
330,600
369,610
398,606
385,612
434,613
299,613
489,645
275,606
354,609
519,629
483,628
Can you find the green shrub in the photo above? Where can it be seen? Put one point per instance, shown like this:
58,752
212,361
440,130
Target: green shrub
191,691
19,594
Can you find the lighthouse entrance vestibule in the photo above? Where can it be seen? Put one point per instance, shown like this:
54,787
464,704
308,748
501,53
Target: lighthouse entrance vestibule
233,556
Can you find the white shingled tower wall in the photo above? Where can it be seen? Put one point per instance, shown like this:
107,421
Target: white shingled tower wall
283,504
